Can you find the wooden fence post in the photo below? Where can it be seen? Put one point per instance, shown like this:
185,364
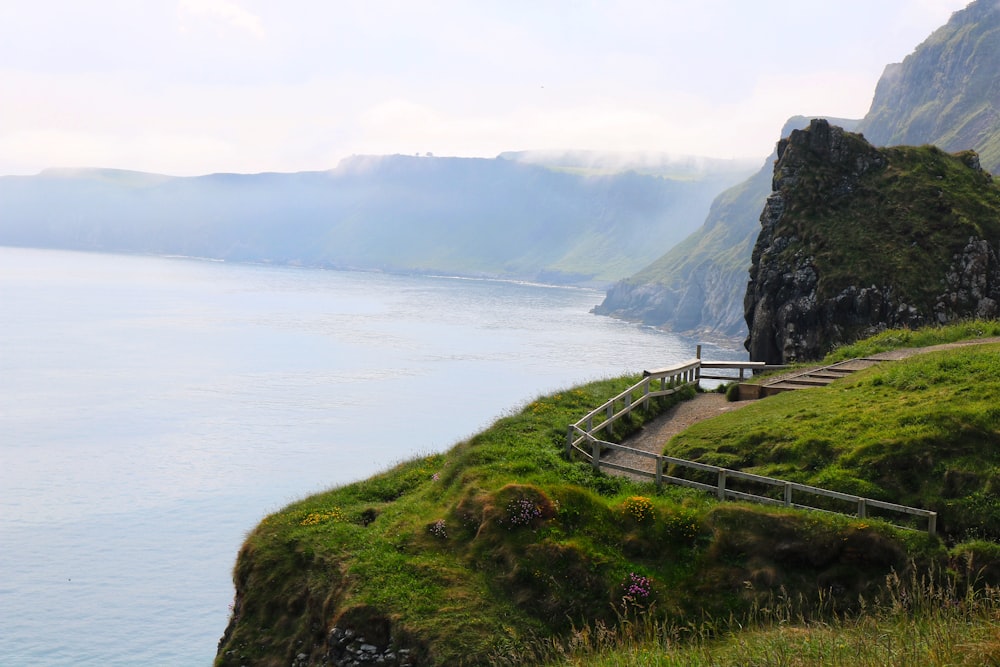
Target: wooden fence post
570,432
862,508
788,494
595,454
659,471
932,524
721,493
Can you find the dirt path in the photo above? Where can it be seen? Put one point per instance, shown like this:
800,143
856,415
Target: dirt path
654,435
905,352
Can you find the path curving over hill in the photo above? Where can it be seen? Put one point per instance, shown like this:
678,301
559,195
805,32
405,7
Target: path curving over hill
654,435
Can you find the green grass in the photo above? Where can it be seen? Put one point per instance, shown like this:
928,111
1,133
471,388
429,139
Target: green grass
500,549
923,432
894,339
437,543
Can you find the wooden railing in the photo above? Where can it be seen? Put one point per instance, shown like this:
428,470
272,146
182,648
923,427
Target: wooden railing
654,383
581,438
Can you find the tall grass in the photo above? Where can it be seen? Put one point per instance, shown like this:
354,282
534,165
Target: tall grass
894,339
919,621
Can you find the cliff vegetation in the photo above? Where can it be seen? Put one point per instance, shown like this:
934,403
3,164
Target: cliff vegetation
500,551
856,239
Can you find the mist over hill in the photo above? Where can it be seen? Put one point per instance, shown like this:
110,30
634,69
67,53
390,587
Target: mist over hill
947,93
506,218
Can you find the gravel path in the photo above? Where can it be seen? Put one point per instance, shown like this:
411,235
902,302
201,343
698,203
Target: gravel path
655,434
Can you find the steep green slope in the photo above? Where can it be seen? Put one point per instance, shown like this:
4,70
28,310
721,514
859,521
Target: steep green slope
947,92
484,553
925,432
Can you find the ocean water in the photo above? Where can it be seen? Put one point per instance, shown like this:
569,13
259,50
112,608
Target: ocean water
153,410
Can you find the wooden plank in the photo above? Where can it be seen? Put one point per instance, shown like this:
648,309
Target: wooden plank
680,481
672,370
881,504
691,464
763,500
634,471
739,474
706,376
629,450
837,495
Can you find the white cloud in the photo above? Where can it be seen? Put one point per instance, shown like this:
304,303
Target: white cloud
253,85
224,12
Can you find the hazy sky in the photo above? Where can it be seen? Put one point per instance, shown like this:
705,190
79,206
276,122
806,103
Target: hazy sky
196,86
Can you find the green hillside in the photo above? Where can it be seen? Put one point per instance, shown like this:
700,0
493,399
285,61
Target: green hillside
500,551
946,92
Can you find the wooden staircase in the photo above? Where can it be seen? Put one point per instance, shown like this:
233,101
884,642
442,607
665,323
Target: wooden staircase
816,377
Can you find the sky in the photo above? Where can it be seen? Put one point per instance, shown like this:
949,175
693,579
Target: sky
190,87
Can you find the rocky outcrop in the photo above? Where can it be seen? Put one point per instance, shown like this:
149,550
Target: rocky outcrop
697,287
855,239
973,283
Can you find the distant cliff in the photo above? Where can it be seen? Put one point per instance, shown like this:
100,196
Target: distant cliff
503,218
856,239
946,93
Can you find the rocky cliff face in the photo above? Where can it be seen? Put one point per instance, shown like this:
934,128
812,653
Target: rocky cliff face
947,92
856,239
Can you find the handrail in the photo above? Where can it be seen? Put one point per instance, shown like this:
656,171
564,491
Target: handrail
673,379
723,475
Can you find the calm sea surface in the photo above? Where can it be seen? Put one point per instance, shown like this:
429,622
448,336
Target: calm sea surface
153,410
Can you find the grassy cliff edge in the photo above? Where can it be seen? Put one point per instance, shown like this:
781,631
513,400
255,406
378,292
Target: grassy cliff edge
499,550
